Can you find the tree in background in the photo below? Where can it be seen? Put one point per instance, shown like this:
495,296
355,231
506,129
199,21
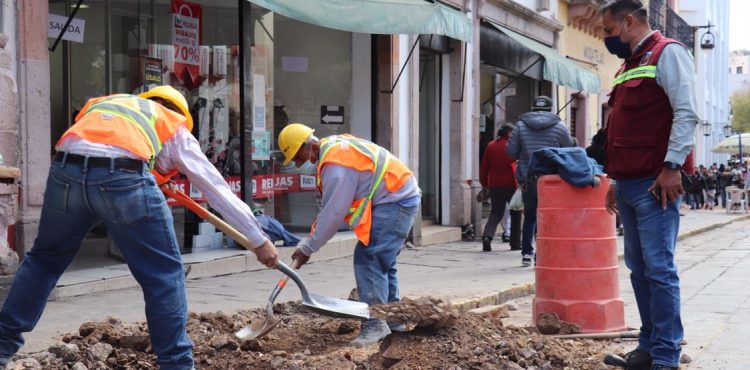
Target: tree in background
741,110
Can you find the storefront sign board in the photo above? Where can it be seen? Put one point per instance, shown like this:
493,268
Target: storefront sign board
152,71
332,114
75,31
261,148
259,102
186,38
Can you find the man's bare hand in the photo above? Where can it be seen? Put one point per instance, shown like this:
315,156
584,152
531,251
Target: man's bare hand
668,185
300,258
267,254
610,201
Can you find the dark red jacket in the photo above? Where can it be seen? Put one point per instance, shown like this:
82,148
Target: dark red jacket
498,167
641,118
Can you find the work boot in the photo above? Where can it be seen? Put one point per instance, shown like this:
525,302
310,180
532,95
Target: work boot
664,367
397,327
638,359
371,333
486,244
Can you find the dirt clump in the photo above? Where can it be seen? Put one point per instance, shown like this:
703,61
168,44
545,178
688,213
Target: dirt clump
307,341
549,323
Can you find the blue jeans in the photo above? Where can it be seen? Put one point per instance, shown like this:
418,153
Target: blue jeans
650,240
530,202
136,215
276,231
375,264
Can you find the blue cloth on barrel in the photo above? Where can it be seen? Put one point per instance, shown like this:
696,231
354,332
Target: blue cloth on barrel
572,164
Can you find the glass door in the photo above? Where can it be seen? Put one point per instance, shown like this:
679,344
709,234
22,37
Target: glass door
429,134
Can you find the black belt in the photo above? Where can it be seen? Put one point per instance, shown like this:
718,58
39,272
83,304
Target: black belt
121,163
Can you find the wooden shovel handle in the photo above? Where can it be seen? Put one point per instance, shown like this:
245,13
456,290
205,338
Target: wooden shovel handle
203,213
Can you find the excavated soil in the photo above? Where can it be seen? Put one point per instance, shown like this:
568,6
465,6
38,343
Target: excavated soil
442,339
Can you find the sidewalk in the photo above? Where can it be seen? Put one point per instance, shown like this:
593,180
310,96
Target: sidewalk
457,271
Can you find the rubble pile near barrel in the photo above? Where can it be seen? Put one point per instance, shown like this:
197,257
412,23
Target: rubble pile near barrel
439,338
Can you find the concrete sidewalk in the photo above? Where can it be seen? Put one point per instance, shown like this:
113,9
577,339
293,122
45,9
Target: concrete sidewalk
456,271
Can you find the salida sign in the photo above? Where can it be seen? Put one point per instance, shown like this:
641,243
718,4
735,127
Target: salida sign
74,32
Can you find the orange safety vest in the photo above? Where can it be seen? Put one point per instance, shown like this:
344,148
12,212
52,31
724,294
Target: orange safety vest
362,155
137,125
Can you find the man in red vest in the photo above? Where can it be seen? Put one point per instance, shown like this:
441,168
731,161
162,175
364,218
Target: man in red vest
650,133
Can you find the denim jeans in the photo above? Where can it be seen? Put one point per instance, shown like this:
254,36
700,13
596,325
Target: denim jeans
530,203
499,198
650,239
375,264
136,215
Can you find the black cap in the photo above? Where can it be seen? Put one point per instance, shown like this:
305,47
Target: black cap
542,102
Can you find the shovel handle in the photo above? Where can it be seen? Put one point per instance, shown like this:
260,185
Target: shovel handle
203,213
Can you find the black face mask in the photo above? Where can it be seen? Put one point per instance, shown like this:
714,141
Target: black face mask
616,46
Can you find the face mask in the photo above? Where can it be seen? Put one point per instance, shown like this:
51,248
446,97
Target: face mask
616,46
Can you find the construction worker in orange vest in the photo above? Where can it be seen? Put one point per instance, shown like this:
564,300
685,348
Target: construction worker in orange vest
102,173
366,186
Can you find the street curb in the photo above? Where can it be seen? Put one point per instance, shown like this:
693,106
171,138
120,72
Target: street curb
710,227
464,305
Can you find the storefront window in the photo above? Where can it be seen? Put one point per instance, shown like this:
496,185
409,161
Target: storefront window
302,73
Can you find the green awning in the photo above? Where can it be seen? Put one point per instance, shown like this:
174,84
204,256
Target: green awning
376,16
557,68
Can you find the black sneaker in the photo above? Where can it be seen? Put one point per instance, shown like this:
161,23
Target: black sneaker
638,360
526,260
663,367
506,238
486,244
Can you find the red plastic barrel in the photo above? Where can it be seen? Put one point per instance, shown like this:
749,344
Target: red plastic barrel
577,264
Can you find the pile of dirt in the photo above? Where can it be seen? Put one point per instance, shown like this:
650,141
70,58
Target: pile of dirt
304,340
424,312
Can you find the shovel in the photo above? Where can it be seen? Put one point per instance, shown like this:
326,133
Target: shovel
328,306
259,328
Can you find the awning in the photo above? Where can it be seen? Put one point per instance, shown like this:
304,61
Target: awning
376,16
557,68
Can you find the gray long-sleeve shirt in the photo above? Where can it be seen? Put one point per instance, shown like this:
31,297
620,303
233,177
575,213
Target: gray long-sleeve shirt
675,73
341,186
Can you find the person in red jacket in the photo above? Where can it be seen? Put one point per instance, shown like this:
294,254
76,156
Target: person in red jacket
496,174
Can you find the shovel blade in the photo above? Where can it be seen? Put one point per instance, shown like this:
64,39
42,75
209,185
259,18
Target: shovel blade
337,307
257,329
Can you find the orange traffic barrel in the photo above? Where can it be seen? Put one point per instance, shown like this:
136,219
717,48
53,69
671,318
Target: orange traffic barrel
577,265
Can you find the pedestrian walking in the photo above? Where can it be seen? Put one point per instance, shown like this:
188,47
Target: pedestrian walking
101,173
650,134
536,130
376,194
711,184
497,176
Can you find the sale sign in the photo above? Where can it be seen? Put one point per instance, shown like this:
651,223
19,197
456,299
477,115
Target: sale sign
186,38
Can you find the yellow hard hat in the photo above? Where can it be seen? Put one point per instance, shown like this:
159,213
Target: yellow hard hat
291,139
171,94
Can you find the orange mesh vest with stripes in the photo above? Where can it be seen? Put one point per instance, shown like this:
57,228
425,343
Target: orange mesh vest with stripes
362,155
137,125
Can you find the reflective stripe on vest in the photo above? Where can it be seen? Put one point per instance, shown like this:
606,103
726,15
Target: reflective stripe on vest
380,158
143,119
639,72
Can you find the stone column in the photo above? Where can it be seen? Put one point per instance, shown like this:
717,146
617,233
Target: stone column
8,210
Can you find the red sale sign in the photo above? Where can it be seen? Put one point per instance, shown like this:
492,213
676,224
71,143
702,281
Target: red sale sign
186,38
263,186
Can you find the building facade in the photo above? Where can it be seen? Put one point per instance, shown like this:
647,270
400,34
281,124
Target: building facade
711,55
739,71
433,95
